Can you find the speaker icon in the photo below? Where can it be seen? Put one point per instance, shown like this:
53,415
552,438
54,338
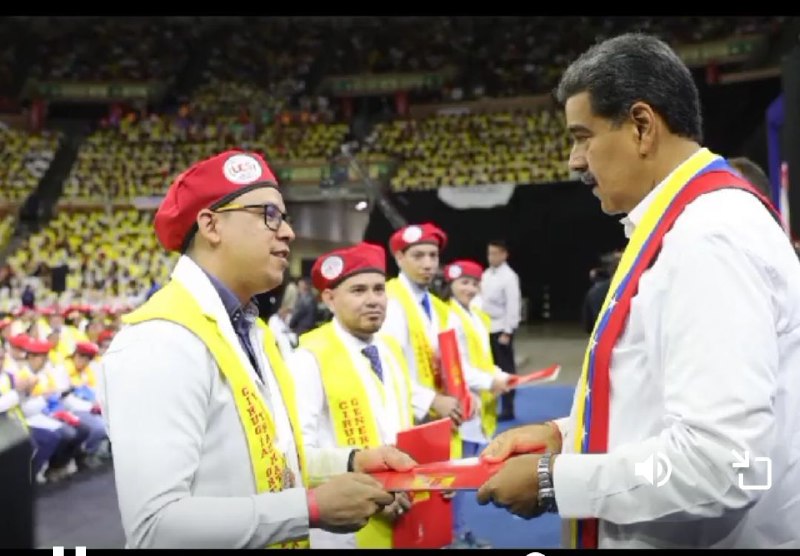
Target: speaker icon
655,470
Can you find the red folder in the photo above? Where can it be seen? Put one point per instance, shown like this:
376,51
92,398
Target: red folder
547,374
429,521
460,474
452,373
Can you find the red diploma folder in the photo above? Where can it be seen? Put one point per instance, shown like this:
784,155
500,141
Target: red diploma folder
460,474
547,374
452,373
429,522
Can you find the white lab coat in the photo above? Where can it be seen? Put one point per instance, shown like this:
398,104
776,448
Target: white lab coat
317,424
183,472
396,325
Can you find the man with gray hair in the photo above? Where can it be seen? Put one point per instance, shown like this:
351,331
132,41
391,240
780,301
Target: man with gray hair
683,429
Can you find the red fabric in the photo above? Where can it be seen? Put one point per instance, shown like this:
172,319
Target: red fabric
332,268
415,234
460,268
202,185
38,347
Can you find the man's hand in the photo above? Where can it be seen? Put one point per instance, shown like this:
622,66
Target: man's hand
504,339
515,487
447,406
24,384
347,501
500,383
401,504
382,458
522,440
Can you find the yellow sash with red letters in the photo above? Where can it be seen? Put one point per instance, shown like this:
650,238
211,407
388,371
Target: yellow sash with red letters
352,414
174,303
480,358
424,354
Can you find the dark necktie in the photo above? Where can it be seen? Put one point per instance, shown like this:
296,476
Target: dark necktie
426,305
371,353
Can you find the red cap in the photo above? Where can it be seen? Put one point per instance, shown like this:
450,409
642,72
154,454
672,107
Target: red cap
105,335
457,269
225,175
331,269
47,311
415,234
87,348
37,347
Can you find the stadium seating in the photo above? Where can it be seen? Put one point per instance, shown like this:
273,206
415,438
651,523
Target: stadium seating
24,158
471,149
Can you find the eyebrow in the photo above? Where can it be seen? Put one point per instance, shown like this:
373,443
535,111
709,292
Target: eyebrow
578,128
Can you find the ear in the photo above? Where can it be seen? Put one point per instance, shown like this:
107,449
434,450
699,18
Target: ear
327,298
644,126
208,226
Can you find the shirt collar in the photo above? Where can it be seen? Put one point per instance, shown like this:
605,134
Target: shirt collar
349,339
231,303
419,292
635,216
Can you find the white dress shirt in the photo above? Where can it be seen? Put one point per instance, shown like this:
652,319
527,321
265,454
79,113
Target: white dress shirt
285,338
500,296
396,325
181,460
315,417
708,364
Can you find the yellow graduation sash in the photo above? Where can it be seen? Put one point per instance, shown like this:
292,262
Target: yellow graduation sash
352,414
424,353
481,359
174,303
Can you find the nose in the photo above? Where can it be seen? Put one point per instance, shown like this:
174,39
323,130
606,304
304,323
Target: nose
285,232
577,161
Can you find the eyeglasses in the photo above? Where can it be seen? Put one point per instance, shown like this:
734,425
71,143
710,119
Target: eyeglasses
273,217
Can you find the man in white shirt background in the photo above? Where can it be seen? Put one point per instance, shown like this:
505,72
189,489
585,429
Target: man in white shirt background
500,299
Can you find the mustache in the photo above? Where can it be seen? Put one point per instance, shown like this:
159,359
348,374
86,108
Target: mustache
584,176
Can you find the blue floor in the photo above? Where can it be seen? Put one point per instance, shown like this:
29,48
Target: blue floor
499,527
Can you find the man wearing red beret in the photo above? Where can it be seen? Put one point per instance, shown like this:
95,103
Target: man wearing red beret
199,404
356,386
415,317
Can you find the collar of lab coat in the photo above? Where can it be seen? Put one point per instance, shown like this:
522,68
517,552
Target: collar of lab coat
195,280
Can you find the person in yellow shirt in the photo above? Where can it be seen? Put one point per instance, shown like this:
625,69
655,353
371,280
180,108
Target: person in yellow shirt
356,387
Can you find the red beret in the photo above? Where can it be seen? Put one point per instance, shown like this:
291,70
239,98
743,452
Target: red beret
105,335
457,269
331,269
19,341
37,347
414,234
225,175
87,348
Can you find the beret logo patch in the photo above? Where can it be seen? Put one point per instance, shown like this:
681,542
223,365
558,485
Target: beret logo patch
412,234
332,267
242,169
454,272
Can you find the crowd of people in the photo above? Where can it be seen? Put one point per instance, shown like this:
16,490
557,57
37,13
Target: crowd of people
110,258
50,357
24,159
520,147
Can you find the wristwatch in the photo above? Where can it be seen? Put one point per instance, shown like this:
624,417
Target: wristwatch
547,495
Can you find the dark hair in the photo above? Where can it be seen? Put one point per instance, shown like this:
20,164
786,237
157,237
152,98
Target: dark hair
498,243
753,173
631,68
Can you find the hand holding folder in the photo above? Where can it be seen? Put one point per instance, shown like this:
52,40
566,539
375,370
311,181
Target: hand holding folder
548,374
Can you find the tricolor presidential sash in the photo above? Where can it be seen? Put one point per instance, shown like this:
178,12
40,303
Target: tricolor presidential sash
702,173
